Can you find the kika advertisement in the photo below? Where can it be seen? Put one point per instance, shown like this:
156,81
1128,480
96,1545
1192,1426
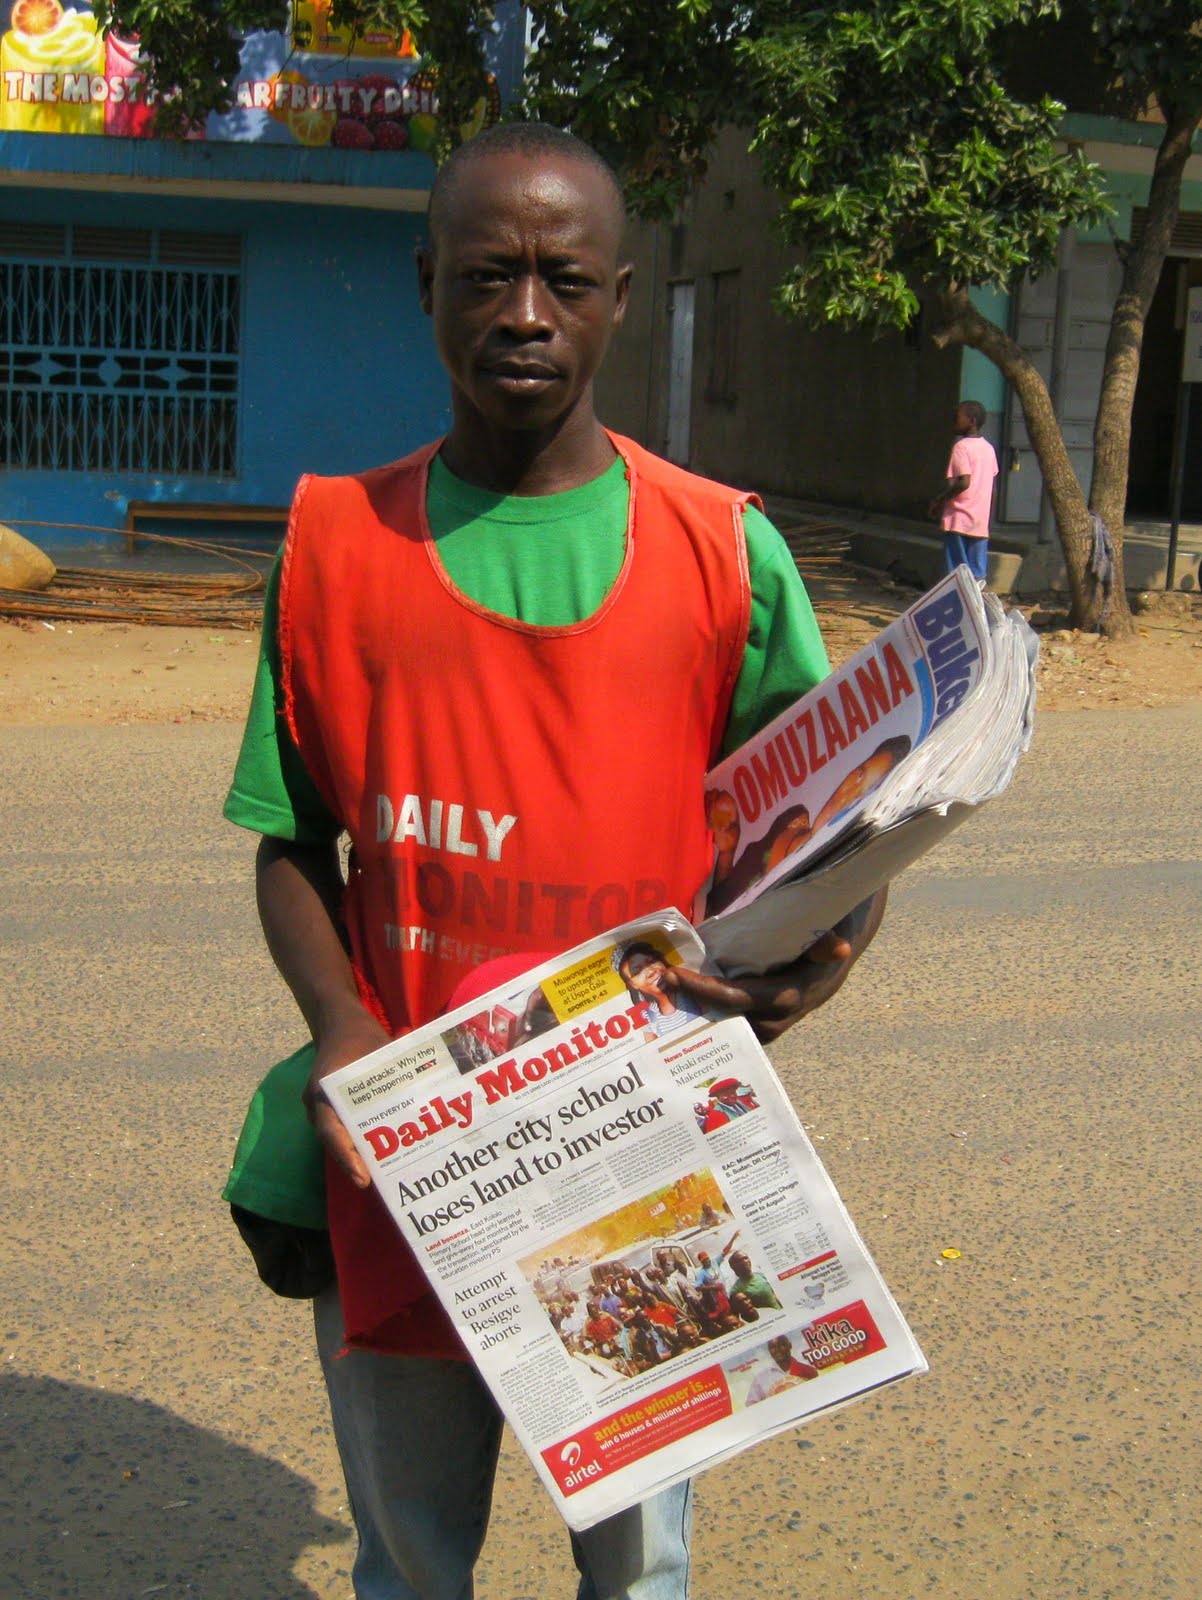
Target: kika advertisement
314,86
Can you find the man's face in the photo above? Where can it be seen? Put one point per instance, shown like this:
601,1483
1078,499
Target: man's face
781,1351
724,822
963,422
740,1265
523,283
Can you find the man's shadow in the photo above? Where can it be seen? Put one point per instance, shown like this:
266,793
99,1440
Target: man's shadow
110,1498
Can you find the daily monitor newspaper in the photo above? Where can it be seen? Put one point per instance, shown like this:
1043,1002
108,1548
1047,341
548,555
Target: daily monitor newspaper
614,1200
866,772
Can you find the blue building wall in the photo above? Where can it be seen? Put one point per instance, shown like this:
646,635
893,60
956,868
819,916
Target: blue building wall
338,368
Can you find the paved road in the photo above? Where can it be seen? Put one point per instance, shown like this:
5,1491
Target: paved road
1013,1072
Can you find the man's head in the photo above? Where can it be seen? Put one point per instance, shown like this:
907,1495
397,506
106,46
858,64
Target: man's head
740,1264
521,274
781,1351
535,141
744,1306
970,417
703,1258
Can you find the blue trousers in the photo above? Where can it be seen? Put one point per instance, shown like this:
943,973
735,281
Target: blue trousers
970,549
419,1442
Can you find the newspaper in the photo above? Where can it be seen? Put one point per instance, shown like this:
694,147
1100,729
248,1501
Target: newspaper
614,1200
866,772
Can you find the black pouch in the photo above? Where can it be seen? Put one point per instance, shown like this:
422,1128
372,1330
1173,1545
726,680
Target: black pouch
276,1188
292,1261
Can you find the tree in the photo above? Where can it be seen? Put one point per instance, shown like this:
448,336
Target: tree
1154,53
909,154
906,161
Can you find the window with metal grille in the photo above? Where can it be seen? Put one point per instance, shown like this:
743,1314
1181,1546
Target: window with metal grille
119,350
1187,234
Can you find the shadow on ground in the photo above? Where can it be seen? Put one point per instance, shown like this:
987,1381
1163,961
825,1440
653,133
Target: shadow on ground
111,1498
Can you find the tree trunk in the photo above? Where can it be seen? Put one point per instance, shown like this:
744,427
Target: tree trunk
964,324
1142,266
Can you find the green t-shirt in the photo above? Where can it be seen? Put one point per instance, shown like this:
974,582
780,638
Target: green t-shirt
507,553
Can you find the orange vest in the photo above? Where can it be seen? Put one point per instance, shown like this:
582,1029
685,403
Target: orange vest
506,787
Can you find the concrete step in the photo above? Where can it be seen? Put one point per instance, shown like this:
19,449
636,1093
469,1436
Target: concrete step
918,558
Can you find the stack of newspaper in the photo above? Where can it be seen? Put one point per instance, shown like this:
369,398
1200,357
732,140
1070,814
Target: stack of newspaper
626,1223
866,772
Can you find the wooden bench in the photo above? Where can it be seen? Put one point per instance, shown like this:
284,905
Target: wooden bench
194,511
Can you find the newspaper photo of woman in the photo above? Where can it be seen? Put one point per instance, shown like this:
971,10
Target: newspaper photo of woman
642,968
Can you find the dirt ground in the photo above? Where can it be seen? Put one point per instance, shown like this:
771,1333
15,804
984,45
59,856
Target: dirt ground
995,1083
80,672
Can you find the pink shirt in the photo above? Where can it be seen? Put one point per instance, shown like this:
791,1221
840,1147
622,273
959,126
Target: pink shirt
972,457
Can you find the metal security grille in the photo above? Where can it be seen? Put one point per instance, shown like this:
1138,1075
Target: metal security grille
119,350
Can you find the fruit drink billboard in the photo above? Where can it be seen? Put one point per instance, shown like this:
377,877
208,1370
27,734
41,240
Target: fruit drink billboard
312,86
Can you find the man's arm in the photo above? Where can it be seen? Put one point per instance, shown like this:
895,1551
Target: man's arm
299,889
777,1000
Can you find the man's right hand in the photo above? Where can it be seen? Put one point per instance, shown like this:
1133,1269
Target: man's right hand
354,1036
300,892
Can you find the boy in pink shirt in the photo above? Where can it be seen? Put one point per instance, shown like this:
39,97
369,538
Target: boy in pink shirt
964,502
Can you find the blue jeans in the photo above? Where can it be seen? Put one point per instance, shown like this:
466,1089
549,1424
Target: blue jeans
419,1442
969,548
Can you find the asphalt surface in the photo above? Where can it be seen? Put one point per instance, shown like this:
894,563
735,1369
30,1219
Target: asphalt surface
1011,1072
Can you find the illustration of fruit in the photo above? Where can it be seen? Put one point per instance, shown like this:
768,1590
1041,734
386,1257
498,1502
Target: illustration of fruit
43,38
35,17
281,103
473,125
423,129
351,134
484,113
311,128
392,136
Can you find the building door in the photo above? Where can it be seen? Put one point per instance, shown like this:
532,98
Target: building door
1157,397
681,297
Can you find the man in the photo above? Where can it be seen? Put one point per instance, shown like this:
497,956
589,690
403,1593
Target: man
709,1273
735,1099
964,502
611,1303
601,1329
751,1283
461,652
652,1343
785,1371
571,1324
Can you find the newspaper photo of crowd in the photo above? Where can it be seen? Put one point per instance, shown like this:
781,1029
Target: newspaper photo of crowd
659,1277
497,1029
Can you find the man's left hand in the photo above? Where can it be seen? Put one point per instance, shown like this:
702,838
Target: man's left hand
775,1001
